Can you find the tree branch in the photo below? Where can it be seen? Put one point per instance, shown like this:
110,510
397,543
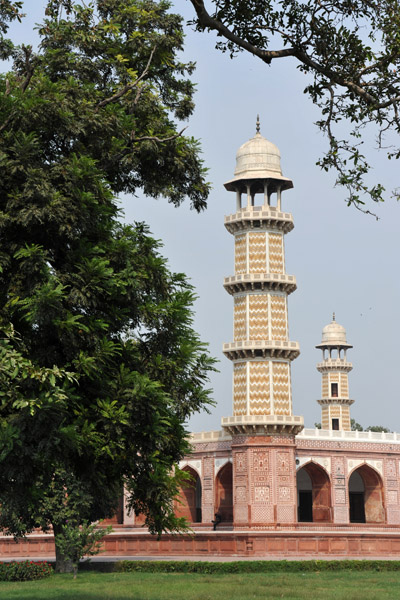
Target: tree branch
29,69
207,22
128,87
157,139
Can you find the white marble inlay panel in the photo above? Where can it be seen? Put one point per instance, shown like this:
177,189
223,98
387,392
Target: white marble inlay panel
195,464
220,462
352,464
323,461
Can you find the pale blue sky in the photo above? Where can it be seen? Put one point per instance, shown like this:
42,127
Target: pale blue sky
343,261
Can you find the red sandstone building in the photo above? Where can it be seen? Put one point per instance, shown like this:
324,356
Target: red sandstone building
277,488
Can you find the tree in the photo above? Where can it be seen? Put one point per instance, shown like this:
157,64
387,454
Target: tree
79,540
378,428
103,367
357,427
350,51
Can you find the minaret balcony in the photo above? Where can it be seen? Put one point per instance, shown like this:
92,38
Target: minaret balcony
262,424
247,282
330,401
259,216
261,349
334,364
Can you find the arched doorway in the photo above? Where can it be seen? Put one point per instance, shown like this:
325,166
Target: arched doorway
189,504
366,496
313,494
224,494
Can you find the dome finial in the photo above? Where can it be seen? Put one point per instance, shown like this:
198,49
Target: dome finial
333,317
258,124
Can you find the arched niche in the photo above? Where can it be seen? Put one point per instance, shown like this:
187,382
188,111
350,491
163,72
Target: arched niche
313,494
224,493
366,496
189,503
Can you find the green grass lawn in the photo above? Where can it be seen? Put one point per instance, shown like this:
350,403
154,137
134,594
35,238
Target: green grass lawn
177,586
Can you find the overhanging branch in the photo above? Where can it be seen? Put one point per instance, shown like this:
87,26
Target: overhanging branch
206,21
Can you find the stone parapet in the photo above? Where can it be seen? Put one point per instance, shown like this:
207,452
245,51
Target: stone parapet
334,364
349,436
259,216
209,436
263,424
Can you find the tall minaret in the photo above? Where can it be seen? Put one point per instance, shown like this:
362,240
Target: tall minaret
261,352
334,368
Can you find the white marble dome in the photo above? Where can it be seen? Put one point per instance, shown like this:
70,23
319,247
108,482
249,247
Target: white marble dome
334,335
258,156
258,160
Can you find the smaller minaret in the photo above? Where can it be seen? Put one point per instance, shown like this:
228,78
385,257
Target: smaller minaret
334,368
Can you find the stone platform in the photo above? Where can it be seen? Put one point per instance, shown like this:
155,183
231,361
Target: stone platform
284,544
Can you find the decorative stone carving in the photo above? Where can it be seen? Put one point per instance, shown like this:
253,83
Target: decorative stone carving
241,462
283,465
241,494
285,514
262,514
340,496
260,461
284,493
261,493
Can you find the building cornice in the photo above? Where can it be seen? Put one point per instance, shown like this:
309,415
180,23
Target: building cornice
246,282
261,349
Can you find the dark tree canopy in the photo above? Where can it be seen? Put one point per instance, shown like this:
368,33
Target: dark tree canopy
100,366
377,428
350,51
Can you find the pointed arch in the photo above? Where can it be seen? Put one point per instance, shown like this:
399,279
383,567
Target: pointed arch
224,493
366,497
313,494
221,466
189,503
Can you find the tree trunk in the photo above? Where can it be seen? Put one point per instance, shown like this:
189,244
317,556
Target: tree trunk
63,564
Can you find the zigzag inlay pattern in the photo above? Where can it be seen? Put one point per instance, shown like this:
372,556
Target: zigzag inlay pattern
344,386
346,423
258,317
281,388
239,389
275,246
257,253
240,254
278,318
259,391
325,385
239,320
